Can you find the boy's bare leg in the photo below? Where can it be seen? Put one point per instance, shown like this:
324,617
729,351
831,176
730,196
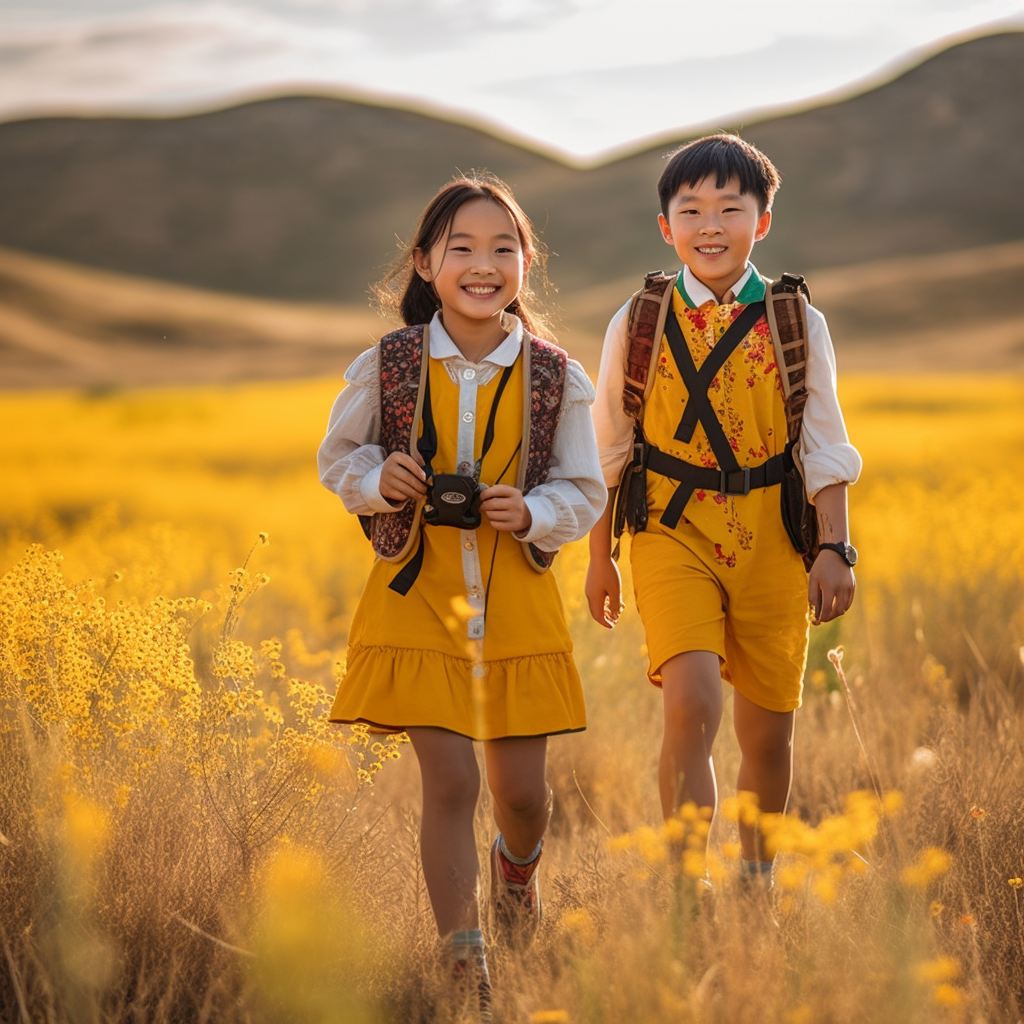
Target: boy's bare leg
451,786
692,694
519,789
766,765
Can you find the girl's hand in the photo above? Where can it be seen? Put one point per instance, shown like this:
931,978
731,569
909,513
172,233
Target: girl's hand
830,587
402,478
505,508
604,591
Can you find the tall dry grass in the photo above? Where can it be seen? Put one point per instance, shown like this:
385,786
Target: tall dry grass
182,838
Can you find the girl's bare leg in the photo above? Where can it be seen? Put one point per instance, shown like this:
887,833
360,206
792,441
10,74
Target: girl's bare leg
519,789
451,787
692,695
766,765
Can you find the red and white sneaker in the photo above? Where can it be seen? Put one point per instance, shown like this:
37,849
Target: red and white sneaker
515,899
472,989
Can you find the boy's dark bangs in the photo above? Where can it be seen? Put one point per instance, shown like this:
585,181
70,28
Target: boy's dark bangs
722,160
722,163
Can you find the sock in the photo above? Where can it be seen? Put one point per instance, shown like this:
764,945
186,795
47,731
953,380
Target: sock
467,944
518,861
757,870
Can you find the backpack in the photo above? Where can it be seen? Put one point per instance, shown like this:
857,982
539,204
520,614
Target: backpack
786,312
404,359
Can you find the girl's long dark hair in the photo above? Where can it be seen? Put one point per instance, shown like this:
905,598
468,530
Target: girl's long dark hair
403,293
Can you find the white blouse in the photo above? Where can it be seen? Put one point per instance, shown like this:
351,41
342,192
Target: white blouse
828,456
563,508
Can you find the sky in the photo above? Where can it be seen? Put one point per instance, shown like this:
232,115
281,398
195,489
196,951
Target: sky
581,79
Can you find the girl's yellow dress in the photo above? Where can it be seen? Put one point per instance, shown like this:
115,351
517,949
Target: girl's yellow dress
410,661
726,579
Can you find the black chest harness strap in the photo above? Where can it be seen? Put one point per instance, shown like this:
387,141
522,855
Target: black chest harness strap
427,447
730,477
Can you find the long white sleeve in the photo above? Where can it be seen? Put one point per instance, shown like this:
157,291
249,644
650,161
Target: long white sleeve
613,429
828,456
349,458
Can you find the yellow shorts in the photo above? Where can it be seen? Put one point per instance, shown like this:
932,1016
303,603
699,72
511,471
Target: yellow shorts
756,620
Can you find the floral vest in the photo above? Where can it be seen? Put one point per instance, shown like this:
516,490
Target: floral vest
403,374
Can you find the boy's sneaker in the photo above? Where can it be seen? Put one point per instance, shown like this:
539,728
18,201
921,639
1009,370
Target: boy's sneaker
515,898
473,988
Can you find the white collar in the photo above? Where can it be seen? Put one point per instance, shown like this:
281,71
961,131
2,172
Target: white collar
701,293
442,346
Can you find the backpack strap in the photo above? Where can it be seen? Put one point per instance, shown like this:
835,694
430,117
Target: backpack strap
544,375
645,324
786,301
403,360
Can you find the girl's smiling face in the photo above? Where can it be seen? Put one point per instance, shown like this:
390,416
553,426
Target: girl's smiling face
713,230
477,268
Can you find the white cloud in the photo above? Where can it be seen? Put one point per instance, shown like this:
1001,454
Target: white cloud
581,76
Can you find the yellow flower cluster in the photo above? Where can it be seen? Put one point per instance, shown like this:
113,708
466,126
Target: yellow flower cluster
105,675
939,975
819,857
115,681
386,749
931,863
680,842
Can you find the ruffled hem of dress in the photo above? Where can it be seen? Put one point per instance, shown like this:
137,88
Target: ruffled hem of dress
394,688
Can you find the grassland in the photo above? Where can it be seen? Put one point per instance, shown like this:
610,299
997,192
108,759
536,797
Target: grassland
63,325
182,838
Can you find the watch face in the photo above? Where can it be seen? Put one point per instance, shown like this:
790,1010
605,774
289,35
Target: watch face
851,555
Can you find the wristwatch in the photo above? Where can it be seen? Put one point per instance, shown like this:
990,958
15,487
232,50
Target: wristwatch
847,552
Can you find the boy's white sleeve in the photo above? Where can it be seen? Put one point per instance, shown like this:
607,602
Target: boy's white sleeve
612,427
827,455
349,458
571,500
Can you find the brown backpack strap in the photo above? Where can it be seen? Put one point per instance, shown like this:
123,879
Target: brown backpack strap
645,325
786,305
545,371
786,308
403,357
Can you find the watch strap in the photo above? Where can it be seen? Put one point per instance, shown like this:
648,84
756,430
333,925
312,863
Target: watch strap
839,548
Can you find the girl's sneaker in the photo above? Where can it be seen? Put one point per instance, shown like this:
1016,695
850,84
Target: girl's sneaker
515,899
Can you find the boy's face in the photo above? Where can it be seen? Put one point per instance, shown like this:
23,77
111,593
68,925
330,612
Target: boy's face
713,231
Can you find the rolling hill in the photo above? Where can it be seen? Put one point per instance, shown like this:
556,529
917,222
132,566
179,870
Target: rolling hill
240,243
302,198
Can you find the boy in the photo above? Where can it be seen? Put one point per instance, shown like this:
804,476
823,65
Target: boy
721,591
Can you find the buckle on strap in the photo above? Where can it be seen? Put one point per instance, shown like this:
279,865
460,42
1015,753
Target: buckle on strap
736,482
639,452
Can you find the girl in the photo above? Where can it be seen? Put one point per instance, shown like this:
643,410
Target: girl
465,444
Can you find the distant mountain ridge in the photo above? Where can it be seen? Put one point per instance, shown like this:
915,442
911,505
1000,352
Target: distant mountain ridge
301,198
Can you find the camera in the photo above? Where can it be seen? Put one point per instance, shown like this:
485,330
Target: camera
453,499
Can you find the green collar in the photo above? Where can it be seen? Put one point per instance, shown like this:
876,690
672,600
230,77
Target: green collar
752,291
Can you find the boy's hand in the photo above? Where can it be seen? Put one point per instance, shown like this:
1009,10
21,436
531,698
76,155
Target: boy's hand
402,478
506,508
604,591
830,587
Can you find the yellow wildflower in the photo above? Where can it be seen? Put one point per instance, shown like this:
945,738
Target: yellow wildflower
932,863
943,968
947,995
